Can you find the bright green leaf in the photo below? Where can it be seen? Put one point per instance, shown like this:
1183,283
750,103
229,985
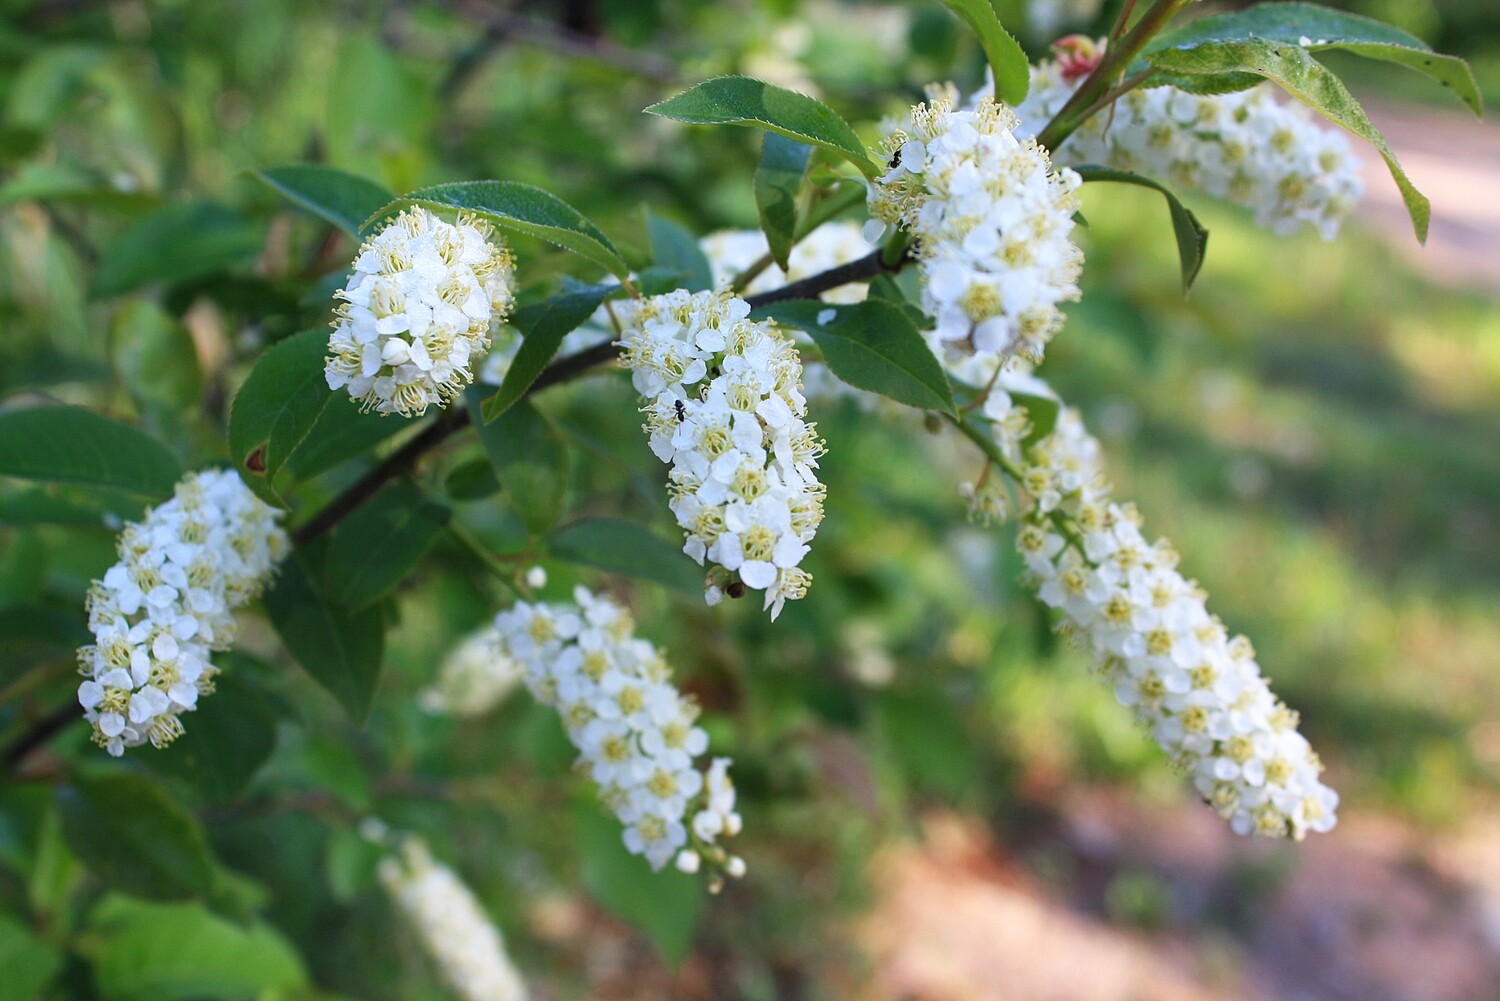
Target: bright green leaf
1192,238
1042,411
74,445
525,209
871,345
341,650
1308,80
1006,57
344,199
377,545
278,405
626,548
531,461
740,100
26,962
543,326
674,247
778,179
177,242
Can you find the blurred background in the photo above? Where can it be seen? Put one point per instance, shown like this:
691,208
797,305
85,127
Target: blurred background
941,801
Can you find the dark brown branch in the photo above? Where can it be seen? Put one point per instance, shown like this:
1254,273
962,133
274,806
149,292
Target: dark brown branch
41,731
866,267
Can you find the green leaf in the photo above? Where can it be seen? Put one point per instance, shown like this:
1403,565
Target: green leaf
674,247
1326,28
74,445
344,199
1042,412
1192,238
340,649
126,829
531,460
27,963
626,548
228,737
525,209
872,345
1006,57
176,243
474,480
778,180
180,952
351,864
340,434
278,405
376,546
665,905
543,326
155,357
740,100
1309,81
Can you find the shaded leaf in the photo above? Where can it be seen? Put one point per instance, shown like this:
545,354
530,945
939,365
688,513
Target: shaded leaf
377,545
344,199
279,404
155,357
741,100
778,179
872,345
228,737
674,247
177,242
340,649
531,461
1192,238
74,445
543,326
27,963
626,548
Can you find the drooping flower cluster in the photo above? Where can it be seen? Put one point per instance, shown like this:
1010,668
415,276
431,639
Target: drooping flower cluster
474,678
161,611
635,733
1247,147
726,409
417,312
992,221
1199,690
731,251
463,942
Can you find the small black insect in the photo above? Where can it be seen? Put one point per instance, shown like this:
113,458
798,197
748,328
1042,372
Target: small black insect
895,160
681,411
736,589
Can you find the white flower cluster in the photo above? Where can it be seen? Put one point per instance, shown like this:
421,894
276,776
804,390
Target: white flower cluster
161,611
474,678
1199,690
727,411
992,222
1248,147
635,733
418,310
731,251
461,939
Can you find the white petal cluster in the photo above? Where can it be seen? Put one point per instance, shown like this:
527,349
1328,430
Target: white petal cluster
726,409
417,312
635,733
731,251
993,225
461,939
161,611
1199,691
474,678
1248,147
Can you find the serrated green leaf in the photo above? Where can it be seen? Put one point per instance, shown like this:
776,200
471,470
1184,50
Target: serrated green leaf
1192,238
180,952
344,199
626,548
872,345
543,326
674,247
1325,28
530,458
340,649
228,737
175,243
74,445
778,180
1302,76
522,208
278,405
1006,57
741,100
376,546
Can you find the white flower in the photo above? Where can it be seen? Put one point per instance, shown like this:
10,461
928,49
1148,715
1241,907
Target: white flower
992,222
1199,691
636,734
461,939
419,309
474,678
1247,147
727,412
162,610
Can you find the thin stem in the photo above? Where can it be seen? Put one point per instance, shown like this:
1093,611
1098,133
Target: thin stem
752,272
